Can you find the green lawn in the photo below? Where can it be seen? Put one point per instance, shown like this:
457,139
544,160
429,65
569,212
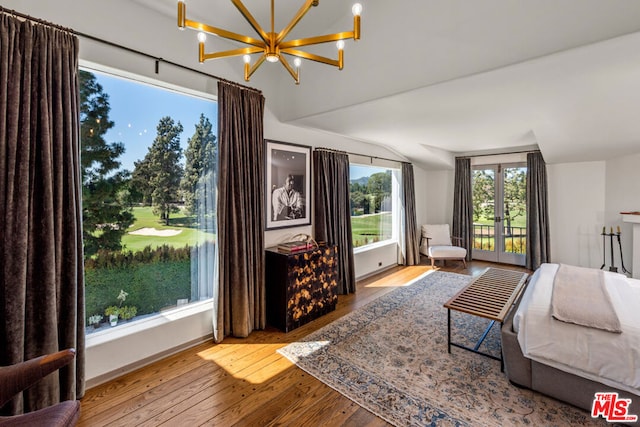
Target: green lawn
145,218
370,228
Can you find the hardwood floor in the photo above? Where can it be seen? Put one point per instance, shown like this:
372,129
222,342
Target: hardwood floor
244,382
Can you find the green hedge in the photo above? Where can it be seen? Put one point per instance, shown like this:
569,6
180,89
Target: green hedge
154,279
107,259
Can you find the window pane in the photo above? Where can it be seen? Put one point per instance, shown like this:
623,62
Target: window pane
371,204
515,209
149,176
484,190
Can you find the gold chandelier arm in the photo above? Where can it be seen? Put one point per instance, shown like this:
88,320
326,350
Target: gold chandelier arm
229,53
251,20
249,73
316,40
223,33
294,74
312,57
303,10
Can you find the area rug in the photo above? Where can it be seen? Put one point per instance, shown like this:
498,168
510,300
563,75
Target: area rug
391,358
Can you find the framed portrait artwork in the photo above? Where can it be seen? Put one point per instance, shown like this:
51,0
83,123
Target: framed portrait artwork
288,192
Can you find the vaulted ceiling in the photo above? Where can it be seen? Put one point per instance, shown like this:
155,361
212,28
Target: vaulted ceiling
429,78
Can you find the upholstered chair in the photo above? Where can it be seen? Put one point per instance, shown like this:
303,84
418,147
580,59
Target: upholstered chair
21,376
436,243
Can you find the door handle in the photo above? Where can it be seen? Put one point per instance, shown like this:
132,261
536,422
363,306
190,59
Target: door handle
498,219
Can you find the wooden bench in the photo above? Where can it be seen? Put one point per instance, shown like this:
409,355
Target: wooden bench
489,295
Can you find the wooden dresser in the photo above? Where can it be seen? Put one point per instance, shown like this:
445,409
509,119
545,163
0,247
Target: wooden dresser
301,286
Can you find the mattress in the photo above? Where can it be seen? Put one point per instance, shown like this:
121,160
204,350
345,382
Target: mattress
610,358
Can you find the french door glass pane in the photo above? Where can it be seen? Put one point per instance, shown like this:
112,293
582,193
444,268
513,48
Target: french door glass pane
484,190
514,209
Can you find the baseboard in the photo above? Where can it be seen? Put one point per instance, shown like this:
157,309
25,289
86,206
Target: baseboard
374,273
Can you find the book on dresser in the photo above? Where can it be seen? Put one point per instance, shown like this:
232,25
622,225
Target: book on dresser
291,247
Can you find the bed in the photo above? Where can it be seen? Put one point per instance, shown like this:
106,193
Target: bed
572,362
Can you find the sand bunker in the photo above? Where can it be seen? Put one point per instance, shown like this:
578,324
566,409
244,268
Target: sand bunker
156,232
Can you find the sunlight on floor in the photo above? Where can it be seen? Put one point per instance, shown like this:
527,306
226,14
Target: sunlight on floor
389,281
233,359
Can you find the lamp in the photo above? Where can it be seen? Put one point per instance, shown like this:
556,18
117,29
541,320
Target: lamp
271,44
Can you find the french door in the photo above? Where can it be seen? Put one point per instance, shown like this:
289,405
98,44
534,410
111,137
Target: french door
500,213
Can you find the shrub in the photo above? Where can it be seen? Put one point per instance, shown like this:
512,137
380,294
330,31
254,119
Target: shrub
151,287
164,253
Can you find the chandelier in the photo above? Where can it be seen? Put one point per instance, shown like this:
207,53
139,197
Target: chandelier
272,45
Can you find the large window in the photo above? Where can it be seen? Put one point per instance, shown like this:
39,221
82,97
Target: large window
149,177
373,204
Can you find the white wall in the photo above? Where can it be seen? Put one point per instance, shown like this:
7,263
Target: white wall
576,211
437,199
622,194
583,198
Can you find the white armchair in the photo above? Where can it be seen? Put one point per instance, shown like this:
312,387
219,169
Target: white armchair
435,242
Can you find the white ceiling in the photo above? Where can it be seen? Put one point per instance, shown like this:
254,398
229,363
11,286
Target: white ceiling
429,78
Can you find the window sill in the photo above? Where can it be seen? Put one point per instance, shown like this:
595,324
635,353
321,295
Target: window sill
146,323
374,246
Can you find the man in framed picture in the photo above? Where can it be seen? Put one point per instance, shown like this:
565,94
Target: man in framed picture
286,201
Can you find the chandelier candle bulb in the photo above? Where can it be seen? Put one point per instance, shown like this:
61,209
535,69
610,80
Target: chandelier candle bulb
201,51
357,10
247,60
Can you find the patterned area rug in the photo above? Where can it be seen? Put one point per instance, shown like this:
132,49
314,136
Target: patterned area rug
391,358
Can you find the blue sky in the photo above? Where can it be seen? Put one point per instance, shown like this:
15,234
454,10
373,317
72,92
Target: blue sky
136,109
356,172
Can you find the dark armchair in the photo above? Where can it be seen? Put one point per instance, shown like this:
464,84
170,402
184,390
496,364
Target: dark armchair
19,377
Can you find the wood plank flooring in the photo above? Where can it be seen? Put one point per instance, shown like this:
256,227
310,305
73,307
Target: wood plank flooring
244,382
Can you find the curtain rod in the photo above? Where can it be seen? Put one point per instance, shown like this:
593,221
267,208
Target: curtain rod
35,20
497,154
358,154
125,48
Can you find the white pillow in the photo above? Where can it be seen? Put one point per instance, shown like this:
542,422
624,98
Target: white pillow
438,233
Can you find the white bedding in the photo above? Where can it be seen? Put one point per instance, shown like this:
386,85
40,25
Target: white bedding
609,358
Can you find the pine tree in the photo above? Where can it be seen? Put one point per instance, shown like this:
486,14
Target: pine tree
105,213
200,162
164,169
141,189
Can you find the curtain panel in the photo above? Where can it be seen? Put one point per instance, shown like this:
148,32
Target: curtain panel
463,205
410,245
41,261
239,298
538,245
332,216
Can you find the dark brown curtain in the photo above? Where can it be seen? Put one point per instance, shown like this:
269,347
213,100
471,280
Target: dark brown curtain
332,216
463,204
239,303
538,246
41,268
410,248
